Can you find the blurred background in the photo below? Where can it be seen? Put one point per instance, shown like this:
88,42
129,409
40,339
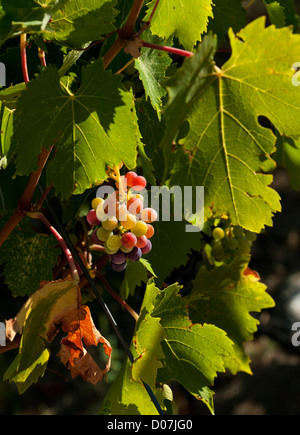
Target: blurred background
274,387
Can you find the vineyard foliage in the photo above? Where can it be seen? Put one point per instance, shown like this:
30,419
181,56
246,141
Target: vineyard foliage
90,97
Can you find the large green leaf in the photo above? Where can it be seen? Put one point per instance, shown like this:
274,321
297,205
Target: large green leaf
225,297
6,131
227,15
81,21
193,353
184,19
90,129
226,149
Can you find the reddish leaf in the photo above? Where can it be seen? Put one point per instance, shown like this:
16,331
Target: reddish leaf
82,332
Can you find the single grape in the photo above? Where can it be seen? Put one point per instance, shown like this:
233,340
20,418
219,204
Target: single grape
114,242
128,240
110,223
110,251
94,238
139,183
141,242
244,245
129,221
250,236
135,254
149,215
146,249
238,231
96,202
217,251
92,218
130,177
218,233
150,231
140,229
230,244
119,267
119,257
103,235
126,250
135,205
100,213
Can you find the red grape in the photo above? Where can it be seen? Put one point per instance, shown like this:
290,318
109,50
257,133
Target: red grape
128,240
141,242
147,248
130,177
92,218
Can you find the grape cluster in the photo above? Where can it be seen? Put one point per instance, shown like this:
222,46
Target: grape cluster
228,241
123,225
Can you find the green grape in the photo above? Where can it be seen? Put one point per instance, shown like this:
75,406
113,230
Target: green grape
103,235
250,236
110,251
113,243
230,244
110,223
217,251
244,245
238,231
218,233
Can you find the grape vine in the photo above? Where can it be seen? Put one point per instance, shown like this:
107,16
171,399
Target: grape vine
108,102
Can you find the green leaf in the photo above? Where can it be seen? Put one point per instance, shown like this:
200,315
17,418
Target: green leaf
227,15
34,321
181,18
276,13
29,259
90,129
135,274
226,149
81,21
6,131
225,297
152,66
288,156
193,353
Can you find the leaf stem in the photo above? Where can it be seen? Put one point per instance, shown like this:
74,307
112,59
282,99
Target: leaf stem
171,50
24,57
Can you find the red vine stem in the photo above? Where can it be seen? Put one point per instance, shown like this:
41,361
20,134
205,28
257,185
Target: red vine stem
42,56
24,57
42,218
171,50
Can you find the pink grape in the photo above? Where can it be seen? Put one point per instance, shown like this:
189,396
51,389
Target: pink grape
146,249
128,240
92,218
141,242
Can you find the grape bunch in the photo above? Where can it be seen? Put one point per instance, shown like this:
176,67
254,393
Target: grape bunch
120,222
229,240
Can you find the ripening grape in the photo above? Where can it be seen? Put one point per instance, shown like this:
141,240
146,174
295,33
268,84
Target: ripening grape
128,240
130,177
149,215
230,244
139,183
141,242
103,235
92,218
100,213
110,251
217,251
96,202
110,223
146,249
135,205
218,233
119,258
129,221
135,254
114,242
150,231
126,250
140,229
119,267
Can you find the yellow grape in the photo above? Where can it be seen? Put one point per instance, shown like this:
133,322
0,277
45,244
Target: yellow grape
140,229
110,223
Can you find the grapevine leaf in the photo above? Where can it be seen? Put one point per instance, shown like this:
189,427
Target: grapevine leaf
181,18
6,131
286,8
193,353
152,66
29,259
225,297
226,149
34,321
81,21
135,274
92,128
227,15
276,13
